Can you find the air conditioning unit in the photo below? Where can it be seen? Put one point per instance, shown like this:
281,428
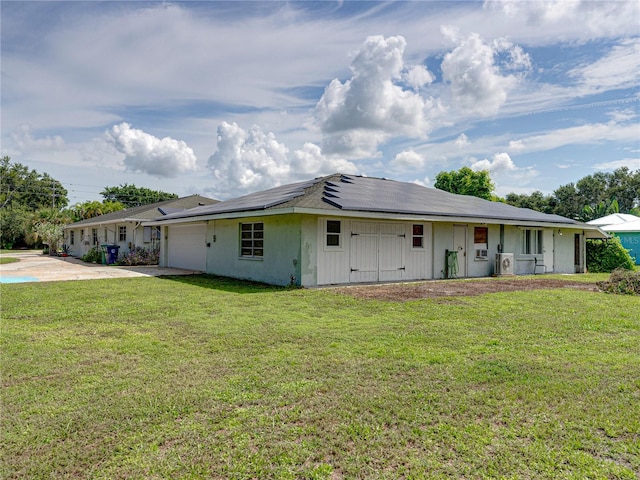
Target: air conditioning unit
504,264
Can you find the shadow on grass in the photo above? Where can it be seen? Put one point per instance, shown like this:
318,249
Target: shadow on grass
226,284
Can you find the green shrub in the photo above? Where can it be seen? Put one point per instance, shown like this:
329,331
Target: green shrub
140,256
607,256
622,282
93,256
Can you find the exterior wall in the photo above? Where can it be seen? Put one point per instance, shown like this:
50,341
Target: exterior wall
334,263
630,241
469,265
107,234
297,251
280,263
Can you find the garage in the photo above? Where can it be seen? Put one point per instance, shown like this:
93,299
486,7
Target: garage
187,247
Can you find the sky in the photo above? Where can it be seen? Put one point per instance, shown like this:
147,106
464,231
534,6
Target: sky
228,98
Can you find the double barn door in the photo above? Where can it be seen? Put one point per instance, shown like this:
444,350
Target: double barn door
377,252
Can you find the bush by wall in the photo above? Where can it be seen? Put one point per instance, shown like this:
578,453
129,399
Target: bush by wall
93,256
140,256
607,255
622,282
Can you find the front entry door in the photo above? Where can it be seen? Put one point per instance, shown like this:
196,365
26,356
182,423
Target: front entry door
460,246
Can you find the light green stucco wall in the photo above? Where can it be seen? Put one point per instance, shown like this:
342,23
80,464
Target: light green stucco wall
281,263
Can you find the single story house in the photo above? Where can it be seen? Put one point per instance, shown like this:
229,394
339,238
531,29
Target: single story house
624,226
343,229
124,227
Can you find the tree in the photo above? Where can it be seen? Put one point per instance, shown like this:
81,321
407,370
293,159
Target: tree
603,209
536,201
90,209
21,186
466,182
132,196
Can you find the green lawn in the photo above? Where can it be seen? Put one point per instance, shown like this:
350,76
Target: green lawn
197,377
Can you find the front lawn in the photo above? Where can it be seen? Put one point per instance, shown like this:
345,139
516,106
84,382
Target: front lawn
198,377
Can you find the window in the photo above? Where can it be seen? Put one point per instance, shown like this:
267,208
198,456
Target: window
417,236
122,234
72,237
252,239
82,235
481,242
94,236
531,242
333,233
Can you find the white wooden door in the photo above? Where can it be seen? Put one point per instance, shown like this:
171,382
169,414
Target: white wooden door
377,252
364,252
460,246
391,251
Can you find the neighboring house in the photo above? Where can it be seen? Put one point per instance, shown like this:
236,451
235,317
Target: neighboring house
124,227
344,229
624,226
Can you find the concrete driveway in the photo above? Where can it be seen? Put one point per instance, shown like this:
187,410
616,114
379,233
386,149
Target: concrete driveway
33,266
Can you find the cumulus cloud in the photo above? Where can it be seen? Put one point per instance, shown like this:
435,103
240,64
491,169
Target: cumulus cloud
501,163
24,139
145,153
359,114
408,159
474,71
247,161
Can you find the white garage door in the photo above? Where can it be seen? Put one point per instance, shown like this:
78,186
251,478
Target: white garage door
187,247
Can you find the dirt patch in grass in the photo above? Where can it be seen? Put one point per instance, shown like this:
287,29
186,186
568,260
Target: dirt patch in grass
459,288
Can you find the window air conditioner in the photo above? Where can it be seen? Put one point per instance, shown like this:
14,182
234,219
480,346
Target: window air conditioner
504,264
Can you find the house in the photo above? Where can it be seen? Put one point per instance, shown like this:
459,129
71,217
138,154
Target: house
124,227
343,229
624,226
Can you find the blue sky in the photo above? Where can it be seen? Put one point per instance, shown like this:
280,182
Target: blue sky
227,98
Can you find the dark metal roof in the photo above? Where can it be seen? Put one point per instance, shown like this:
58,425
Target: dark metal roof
367,194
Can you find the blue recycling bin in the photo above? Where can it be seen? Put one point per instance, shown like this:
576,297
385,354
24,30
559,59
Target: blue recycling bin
112,254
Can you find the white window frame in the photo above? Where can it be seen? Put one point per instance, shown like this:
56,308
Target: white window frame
251,240
531,242
421,236
122,233
339,235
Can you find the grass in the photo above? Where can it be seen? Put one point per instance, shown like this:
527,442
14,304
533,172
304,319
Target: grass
199,377
5,260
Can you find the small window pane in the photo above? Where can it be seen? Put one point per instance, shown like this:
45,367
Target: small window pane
417,242
333,226
418,229
333,240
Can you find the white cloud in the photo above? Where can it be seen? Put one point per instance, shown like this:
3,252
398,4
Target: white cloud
418,76
309,161
408,159
247,161
620,68
631,163
25,140
577,19
583,134
462,141
359,114
145,153
424,182
476,81
501,163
